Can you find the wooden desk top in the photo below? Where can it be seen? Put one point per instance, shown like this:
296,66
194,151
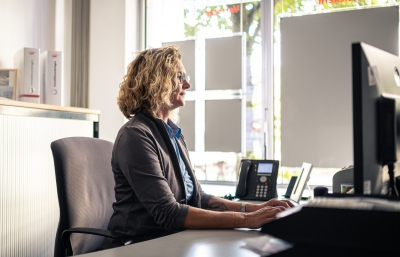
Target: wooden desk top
14,103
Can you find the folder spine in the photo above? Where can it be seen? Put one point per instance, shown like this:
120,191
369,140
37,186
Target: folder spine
27,62
51,67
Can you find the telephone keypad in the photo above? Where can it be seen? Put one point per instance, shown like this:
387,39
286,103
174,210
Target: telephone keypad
262,189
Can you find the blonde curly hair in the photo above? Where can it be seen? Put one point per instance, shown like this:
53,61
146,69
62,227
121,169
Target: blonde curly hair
148,86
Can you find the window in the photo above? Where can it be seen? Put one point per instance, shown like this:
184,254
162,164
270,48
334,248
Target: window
199,19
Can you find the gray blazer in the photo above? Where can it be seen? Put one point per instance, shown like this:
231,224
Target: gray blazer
149,189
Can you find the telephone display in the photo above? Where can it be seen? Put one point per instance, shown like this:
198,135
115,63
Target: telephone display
265,168
257,180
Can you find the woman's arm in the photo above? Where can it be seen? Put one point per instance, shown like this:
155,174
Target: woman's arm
222,205
205,219
224,214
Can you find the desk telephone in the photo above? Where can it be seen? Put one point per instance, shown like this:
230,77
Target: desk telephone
257,180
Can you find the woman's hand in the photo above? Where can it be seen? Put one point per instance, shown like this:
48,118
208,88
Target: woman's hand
271,203
257,218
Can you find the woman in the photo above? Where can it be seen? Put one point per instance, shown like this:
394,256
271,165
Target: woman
156,190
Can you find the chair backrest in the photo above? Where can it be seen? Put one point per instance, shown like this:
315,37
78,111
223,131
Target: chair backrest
85,187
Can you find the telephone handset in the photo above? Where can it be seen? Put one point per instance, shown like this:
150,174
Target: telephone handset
257,180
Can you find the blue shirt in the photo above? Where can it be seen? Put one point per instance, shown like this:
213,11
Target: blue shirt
174,133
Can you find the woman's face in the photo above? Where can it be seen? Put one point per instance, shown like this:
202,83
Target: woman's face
178,98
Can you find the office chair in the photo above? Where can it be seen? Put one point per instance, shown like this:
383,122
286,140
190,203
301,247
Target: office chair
85,187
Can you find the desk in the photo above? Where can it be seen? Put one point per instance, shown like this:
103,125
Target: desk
190,243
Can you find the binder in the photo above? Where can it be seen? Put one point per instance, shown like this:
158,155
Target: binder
51,67
27,62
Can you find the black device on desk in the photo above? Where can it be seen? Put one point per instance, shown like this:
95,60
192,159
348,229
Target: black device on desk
331,226
257,180
290,187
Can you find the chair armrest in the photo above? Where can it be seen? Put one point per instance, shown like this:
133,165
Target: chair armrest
122,238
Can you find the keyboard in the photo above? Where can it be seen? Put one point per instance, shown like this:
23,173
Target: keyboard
357,203
354,203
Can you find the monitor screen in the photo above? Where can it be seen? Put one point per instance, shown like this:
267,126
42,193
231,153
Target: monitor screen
376,88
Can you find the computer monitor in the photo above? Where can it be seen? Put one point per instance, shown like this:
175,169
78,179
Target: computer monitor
376,90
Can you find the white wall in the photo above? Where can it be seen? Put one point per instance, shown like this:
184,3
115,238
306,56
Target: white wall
63,27
25,24
113,39
44,24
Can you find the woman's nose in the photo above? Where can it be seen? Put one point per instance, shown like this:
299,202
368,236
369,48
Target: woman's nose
186,85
